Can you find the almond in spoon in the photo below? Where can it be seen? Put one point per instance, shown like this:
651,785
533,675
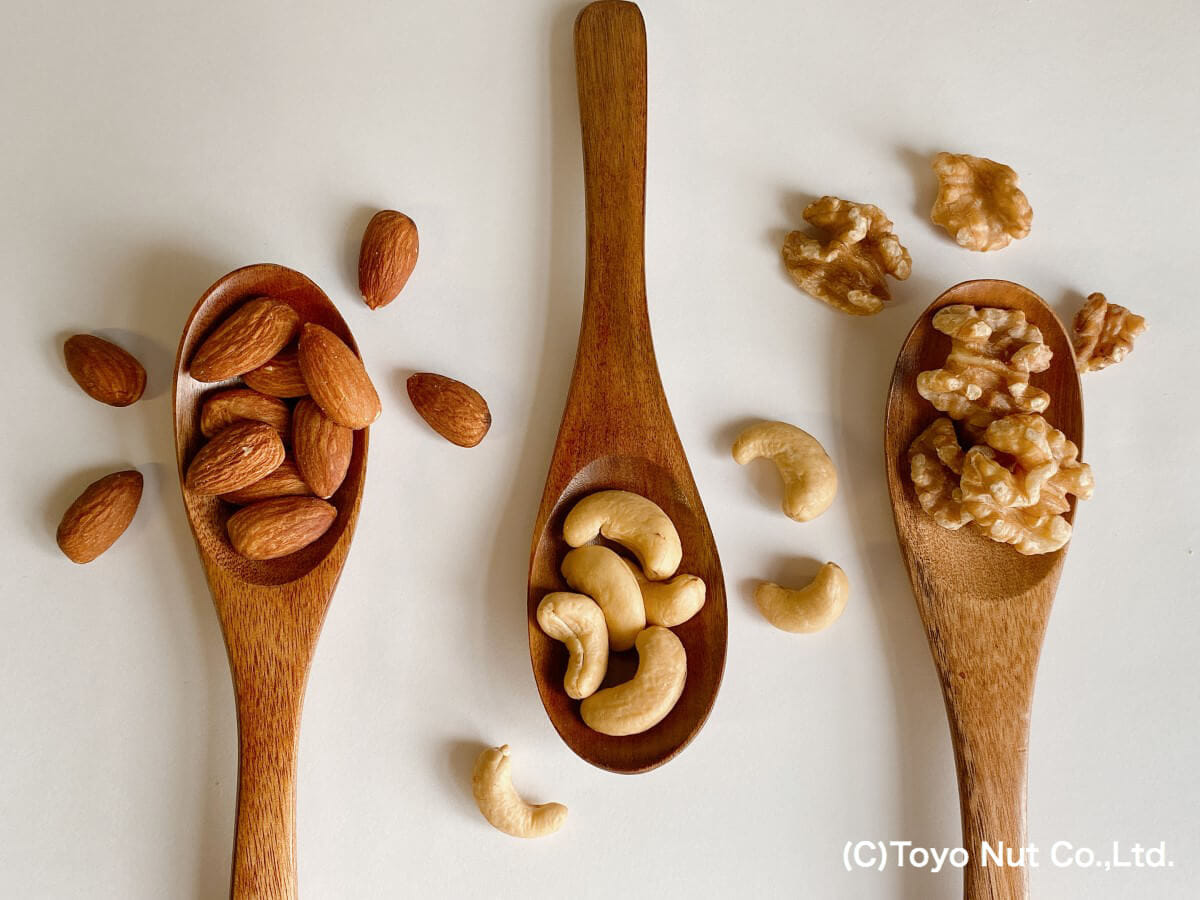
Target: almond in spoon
279,377
284,481
224,408
275,528
336,378
238,456
322,448
255,332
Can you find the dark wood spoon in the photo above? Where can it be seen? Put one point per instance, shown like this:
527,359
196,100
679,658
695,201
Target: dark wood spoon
271,612
617,430
984,605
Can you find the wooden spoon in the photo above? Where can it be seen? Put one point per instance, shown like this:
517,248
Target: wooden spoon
984,605
271,612
617,430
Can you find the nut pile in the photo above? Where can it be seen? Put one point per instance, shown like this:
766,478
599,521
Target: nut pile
283,493
1012,482
622,604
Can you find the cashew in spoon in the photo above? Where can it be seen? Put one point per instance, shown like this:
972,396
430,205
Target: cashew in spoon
578,622
602,575
642,702
809,477
811,608
633,522
502,806
669,603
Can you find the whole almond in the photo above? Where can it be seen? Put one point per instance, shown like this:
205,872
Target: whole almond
455,411
255,332
277,527
285,481
105,371
387,257
99,516
336,378
224,408
279,377
240,455
322,448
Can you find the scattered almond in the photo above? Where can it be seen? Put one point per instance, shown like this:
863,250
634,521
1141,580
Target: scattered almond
105,371
277,527
455,411
99,516
322,448
224,408
238,456
387,257
284,481
255,332
336,378
280,377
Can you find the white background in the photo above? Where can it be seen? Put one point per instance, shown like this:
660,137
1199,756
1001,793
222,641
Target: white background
148,148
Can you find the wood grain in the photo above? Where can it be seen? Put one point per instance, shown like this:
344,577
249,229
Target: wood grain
617,430
984,606
270,612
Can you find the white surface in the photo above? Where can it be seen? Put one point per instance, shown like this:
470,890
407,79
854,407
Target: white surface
146,149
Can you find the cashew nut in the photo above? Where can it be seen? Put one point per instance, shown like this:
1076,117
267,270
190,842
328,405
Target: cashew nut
642,702
578,622
633,522
811,608
809,478
502,806
601,574
669,603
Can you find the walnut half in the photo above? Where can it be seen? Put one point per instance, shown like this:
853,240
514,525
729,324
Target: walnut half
1104,333
978,202
847,269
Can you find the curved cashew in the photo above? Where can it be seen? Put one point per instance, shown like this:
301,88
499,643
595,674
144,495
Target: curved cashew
601,574
633,522
642,702
669,603
502,806
811,608
578,622
809,477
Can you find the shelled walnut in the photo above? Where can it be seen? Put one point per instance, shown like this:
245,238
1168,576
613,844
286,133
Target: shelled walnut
1104,333
986,375
935,462
847,269
978,202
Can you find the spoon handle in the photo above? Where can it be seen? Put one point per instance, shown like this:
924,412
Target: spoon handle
616,352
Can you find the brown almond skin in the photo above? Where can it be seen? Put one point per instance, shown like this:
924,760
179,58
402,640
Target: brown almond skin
238,456
99,515
222,409
455,411
275,528
387,257
279,377
105,371
255,332
336,378
285,481
322,448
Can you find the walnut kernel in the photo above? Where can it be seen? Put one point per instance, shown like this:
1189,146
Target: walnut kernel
978,202
935,462
1104,333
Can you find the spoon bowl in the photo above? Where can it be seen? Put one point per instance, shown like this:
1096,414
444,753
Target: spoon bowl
270,611
984,605
617,431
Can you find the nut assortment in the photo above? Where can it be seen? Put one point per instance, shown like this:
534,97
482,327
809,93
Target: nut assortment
1012,482
622,604
279,463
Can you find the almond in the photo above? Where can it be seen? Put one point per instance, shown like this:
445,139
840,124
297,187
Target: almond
278,527
322,448
224,408
254,333
284,481
456,412
279,377
387,257
336,378
240,455
100,515
104,371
